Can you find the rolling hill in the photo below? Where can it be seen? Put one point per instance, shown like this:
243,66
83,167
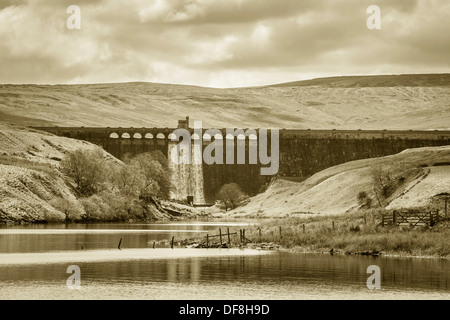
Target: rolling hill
359,102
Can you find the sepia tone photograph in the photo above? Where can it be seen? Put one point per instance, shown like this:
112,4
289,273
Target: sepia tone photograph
193,151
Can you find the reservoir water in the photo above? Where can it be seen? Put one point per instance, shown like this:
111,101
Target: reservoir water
34,261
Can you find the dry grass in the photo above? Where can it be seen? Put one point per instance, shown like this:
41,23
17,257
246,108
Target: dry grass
28,164
355,233
335,190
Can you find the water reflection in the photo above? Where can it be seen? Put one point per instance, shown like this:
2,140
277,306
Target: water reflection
279,275
274,276
42,238
184,271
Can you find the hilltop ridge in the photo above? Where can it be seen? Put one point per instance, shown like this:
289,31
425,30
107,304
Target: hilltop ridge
418,102
405,80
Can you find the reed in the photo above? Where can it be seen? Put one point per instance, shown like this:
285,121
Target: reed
354,233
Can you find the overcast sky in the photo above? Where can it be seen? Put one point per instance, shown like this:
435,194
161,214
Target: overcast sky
222,43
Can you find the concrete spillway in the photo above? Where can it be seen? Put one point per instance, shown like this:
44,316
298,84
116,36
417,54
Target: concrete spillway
187,173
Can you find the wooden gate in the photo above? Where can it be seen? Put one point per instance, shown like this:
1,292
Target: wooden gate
406,218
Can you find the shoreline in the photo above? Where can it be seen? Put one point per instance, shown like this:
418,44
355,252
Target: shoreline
381,255
143,254
317,239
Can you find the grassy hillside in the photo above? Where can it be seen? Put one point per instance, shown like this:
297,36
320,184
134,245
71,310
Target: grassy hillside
323,213
366,102
31,185
33,188
418,176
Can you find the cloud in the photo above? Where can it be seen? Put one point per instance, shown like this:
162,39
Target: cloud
218,43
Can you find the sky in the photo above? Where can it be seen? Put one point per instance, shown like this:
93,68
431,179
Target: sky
219,43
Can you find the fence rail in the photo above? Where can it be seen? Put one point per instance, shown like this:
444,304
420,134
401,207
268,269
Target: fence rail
222,235
403,218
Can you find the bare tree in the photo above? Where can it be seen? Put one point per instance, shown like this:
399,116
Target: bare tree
231,195
384,183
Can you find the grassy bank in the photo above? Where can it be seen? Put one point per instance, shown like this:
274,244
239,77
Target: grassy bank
50,179
354,233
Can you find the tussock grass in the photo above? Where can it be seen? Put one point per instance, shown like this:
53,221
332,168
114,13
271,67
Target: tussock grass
27,164
353,233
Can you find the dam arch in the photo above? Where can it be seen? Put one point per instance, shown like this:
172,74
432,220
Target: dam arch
302,152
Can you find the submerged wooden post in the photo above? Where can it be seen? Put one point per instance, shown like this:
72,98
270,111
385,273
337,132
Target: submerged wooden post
446,207
229,239
120,242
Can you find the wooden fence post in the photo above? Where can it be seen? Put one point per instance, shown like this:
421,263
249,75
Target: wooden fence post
382,220
446,207
120,242
394,218
220,236
229,239
333,225
173,238
207,240
281,234
259,234
303,228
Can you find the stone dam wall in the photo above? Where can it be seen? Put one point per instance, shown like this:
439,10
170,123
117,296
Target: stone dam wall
302,152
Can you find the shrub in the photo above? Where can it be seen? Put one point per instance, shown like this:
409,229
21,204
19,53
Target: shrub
72,211
231,195
150,171
364,200
88,169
